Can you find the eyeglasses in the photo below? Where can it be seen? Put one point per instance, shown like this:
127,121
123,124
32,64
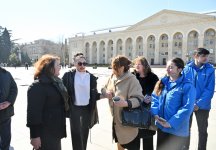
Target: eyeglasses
82,63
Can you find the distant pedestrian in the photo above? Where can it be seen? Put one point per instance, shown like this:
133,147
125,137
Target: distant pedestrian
26,66
8,94
202,74
47,105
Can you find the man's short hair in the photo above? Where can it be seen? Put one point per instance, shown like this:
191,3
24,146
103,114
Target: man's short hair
201,51
78,56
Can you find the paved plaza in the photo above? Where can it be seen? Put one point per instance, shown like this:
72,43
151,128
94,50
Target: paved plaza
100,137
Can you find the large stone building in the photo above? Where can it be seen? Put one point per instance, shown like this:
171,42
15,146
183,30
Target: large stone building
40,47
160,37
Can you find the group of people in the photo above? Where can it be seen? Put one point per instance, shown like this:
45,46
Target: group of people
172,99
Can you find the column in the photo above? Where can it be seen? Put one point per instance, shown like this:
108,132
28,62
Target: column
123,48
106,52
145,47
184,48
98,54
134,49
200,40
114,49
156,59
90,54
170,45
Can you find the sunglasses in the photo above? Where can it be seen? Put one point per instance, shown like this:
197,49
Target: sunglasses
82,63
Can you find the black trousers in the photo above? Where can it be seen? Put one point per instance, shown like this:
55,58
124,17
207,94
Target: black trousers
202,124
49,142
166,141
79,121
146,135
5,134
133,145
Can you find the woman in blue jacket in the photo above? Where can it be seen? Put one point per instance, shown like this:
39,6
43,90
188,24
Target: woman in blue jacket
172,104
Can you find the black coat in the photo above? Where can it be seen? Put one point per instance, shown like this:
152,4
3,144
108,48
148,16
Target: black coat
147,83
8,92
68,80
45,109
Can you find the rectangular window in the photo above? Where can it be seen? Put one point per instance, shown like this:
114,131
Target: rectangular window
180,44
139,47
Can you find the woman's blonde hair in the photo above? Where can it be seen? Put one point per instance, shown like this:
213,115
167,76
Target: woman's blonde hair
144,63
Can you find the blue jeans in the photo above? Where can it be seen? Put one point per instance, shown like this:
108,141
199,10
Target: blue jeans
202,124
5,134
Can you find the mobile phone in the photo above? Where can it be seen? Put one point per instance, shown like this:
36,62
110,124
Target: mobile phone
116,98
162,119
146,96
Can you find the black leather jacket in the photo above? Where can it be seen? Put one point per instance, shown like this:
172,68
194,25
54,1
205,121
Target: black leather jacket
68,80
8,92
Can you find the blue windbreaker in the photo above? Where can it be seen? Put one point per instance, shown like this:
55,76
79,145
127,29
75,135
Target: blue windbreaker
175,104
203,79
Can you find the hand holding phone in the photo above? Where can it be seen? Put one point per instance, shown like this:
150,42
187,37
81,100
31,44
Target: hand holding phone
147,99
116,98
162,119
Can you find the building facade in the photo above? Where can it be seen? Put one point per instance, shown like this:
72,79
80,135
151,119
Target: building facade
160,37
40,47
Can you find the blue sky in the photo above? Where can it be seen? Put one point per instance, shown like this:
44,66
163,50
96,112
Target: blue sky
55,20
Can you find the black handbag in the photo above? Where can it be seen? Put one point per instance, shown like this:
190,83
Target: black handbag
136,117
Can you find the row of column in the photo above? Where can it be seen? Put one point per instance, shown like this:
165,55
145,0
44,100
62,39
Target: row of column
145,50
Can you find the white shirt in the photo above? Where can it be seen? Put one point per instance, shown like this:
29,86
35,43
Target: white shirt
82,88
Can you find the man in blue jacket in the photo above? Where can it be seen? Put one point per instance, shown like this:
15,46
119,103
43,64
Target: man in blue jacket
8,93
202,74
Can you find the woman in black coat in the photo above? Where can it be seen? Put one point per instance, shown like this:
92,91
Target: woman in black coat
47,105
147,80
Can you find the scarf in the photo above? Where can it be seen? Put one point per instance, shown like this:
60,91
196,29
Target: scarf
59,84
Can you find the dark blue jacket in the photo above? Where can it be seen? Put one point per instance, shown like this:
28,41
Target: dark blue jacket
8,92
175,104
203,79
